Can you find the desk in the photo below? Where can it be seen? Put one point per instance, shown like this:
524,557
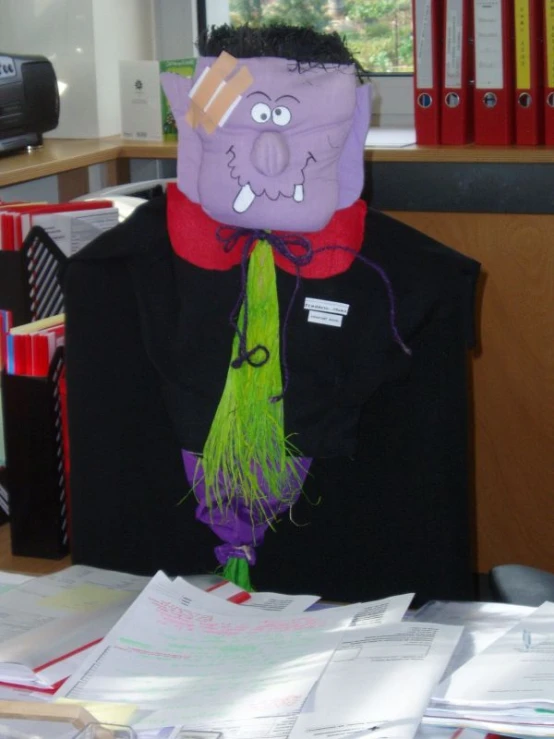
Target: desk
69,158
486,202
27,565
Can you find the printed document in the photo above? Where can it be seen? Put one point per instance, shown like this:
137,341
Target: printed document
379,681
227,592
508,685
45,618
185,665
483,624
385,611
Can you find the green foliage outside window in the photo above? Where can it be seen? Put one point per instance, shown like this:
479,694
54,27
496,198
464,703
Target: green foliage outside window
379,32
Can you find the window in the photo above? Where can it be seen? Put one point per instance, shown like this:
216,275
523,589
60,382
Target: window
379,33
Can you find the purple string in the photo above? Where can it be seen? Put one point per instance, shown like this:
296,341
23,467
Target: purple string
230,238
384,277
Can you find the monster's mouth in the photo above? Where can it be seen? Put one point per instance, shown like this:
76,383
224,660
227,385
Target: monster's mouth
246,195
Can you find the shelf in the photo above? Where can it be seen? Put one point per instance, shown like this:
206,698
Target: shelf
55,157
468,154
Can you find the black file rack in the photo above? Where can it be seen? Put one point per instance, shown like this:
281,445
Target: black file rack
32,481
4,497
29,279
35,472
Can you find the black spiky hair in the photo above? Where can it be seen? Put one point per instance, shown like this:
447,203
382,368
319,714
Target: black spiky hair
299,44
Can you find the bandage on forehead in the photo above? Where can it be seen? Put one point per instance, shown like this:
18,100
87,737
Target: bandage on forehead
213,98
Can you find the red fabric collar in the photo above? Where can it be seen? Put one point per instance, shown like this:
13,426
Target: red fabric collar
193,236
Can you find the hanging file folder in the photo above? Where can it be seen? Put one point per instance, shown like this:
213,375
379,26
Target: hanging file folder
427,57
529,118
493,97
457,91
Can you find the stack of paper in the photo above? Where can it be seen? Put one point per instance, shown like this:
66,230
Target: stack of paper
509,687
181,658
483,624
48,623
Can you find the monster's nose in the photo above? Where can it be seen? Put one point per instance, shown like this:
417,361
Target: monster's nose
270,153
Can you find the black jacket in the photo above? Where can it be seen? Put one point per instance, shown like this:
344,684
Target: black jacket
386,506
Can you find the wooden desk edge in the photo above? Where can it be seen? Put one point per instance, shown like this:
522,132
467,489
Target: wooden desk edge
63,155
26,565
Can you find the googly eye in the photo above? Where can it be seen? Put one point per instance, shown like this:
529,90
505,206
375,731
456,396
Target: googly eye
261,113
281,115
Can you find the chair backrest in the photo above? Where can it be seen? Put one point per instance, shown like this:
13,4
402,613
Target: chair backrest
143,189
521,585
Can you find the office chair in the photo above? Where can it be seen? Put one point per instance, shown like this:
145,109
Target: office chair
145,189
521,585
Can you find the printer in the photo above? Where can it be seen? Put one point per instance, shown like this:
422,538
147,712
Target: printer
29,100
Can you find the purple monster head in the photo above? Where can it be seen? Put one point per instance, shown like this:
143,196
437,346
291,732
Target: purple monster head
270,142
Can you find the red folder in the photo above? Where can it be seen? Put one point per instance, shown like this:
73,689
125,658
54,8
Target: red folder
7,241
457,73
40,355
427,67
528,24
19,355
22,213
5,325
548,94
493,97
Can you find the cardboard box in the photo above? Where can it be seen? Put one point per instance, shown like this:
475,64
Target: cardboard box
145,111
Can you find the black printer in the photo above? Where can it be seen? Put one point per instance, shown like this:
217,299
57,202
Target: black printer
29,100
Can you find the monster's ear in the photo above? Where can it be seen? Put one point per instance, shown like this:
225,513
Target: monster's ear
351,163
189,150
177,89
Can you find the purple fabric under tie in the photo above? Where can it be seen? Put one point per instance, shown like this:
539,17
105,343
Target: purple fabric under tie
234,522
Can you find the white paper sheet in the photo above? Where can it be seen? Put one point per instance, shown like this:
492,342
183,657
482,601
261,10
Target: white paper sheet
507,688
252,602
387,610
10,580
193,665
378,682
48,617
516,669
442,732
483,624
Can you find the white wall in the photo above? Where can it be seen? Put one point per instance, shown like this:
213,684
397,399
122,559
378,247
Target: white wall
84,40
62,31
123,29
176,28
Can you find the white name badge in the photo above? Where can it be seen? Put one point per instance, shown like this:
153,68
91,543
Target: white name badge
327,319
326,306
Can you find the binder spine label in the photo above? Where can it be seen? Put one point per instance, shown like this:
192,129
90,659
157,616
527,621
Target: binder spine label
489,73
549,41
424,46
522,45
453,44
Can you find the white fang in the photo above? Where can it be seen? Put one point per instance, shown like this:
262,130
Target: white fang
244,199
298,193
